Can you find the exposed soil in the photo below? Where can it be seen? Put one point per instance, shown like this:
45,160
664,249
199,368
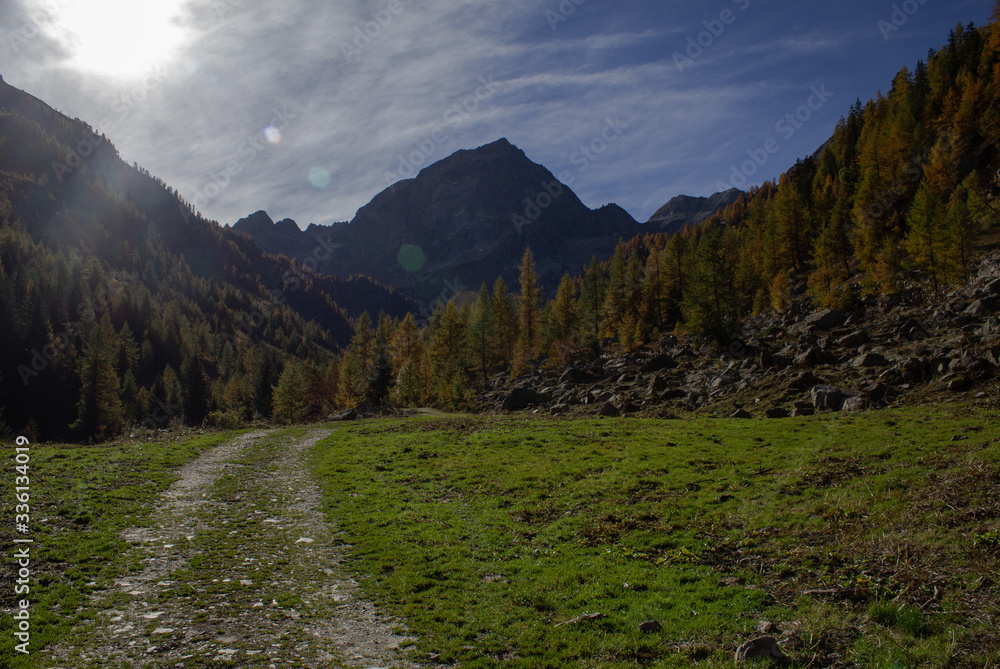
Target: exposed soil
240,568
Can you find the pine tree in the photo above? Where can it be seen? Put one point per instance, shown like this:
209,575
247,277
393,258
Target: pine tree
448,355
405,345
290,395
352,380
195,391
482,329
710,308
505,317
925,239
529,317
363,343
592,296
99,409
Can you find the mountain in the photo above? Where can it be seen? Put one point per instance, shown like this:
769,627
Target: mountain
684,209
110,285
461,221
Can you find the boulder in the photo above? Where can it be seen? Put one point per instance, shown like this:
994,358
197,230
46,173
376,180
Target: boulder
762,649
804,381
522,398
777,413
741,413
650,626
869,360
853,340
827,319
575,376
609,410
852,404
827,398
350,414
658,364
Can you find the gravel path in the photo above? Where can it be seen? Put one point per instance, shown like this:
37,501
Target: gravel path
240,569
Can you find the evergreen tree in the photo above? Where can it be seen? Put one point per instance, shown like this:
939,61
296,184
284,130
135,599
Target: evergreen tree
195,391
505,318
352,380
925,239
99,409
710,308
290,395
363,343
593,294
529,316
482,329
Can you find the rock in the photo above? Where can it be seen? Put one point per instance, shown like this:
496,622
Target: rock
559,409
875,393
574,376
804,381
350,414
869,360
521,398
777,413
609,410
800,412
767,627
812,357
650,626
827,319
658,364
763,648
853,340
741,413
656,386
960,384
827,398
852,404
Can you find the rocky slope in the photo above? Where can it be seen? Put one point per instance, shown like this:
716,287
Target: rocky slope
684,209
907,348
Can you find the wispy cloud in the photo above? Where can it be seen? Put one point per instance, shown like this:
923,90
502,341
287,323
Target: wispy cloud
363,85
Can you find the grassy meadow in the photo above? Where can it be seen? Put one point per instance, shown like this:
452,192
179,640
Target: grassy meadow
869,540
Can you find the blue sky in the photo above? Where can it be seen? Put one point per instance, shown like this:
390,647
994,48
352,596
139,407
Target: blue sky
309,108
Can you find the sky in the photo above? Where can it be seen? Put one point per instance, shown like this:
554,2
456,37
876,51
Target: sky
309,108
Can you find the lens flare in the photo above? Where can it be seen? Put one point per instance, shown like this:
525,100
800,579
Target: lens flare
319,177
411,258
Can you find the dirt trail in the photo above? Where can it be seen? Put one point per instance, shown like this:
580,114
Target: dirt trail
240,568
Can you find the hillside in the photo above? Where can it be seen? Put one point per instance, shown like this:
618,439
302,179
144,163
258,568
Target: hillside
105,272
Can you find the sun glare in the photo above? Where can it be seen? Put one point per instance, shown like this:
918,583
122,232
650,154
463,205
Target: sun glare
119,38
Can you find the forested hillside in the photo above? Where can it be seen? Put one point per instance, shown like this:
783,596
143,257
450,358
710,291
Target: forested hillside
122,306
903,197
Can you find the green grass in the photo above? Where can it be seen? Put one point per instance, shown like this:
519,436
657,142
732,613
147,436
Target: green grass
868,536
82,498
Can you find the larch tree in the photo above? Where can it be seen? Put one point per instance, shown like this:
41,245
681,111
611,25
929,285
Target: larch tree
99,409
529,316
